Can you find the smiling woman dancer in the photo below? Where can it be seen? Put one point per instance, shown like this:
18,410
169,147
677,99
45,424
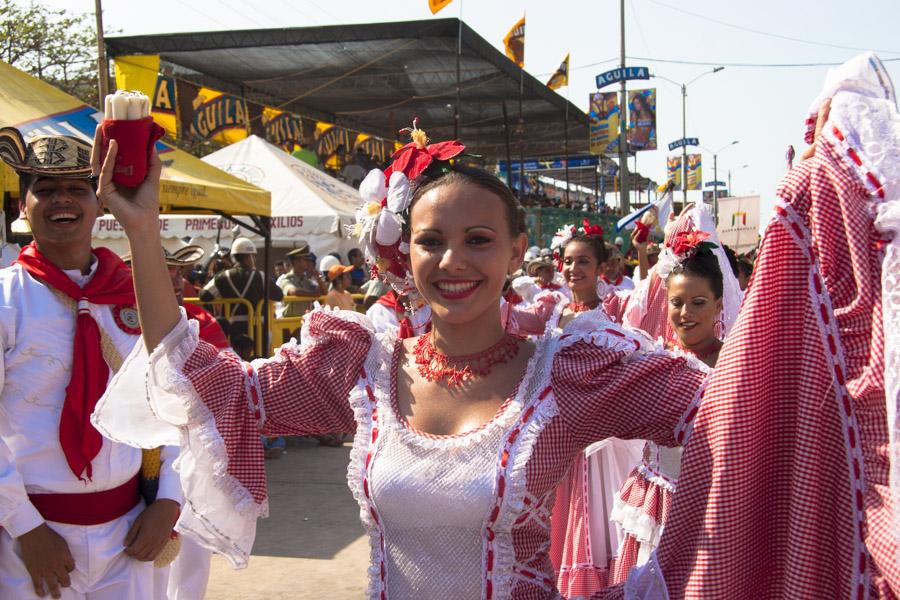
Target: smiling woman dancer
462,434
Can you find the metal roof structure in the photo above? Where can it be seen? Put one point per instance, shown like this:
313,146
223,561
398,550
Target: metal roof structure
376,77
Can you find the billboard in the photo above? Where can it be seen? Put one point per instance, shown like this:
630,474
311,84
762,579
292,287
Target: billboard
673,170
641,133
694,172
739,222
604,126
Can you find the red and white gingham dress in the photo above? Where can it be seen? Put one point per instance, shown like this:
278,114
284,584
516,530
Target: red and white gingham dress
583,386
783,490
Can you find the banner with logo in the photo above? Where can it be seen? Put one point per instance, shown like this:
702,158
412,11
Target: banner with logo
673,170
738,226
208,114
641,134
333,144
378,150
140,73
604,122
283,129
514,43
694,172
164,105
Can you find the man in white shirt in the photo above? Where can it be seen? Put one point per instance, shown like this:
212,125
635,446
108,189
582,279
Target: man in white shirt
73,522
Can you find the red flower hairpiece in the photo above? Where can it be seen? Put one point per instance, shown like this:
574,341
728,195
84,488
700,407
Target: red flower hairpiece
413,158
687,243
591,230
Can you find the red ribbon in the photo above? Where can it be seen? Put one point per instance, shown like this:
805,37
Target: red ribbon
111,284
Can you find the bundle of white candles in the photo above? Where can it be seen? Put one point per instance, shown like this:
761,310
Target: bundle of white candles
127,106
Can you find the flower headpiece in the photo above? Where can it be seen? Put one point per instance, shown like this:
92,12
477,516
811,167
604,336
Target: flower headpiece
386,197
682,246
565,235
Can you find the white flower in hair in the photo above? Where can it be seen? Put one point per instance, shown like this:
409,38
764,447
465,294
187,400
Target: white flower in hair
562,237
390,223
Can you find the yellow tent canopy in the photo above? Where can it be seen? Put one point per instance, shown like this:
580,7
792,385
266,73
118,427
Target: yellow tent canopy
188,184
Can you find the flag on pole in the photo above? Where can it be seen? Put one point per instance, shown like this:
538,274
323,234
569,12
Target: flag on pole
437,5
561,76
514,43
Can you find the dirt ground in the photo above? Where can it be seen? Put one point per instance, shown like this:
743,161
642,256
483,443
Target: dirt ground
312,545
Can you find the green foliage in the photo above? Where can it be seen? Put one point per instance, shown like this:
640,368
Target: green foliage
54,45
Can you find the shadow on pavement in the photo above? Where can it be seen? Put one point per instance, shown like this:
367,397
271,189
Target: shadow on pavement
312,513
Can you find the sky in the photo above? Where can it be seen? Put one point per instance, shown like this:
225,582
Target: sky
762,107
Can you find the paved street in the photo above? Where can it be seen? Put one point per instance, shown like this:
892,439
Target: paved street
312,545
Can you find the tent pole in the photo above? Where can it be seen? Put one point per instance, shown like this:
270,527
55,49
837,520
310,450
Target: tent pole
265,224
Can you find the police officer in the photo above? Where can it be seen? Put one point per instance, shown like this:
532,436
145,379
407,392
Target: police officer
241,281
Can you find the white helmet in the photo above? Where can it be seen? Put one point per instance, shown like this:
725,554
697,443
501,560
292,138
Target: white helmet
243,245
326,262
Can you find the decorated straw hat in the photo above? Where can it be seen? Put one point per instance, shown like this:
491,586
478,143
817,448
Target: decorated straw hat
46,155
185,256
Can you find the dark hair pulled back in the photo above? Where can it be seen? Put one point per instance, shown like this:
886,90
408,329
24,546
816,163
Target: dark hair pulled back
465,175
703,263
594,242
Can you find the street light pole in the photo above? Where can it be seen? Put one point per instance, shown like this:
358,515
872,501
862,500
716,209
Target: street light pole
684,147
623,115
684,87
716,177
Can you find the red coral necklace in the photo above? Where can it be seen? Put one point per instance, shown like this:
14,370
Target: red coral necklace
435,365
579,307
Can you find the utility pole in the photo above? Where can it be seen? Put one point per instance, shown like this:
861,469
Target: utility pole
623,119
102,65
684,184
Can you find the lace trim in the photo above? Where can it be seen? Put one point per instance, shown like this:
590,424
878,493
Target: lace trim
635,522
833,351
512,504
685,426
657,479
364,402
177,347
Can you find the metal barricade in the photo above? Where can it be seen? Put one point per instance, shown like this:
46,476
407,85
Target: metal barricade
227,307
282,329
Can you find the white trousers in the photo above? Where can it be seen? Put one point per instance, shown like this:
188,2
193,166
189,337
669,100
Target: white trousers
189,572
102,570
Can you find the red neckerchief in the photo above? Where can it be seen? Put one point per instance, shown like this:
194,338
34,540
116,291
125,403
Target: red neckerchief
111,284
548,286
390,300
617,283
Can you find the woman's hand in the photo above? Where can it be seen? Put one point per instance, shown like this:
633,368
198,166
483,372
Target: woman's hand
137,209
824,111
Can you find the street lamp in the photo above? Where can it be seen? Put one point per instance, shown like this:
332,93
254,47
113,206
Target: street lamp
716,176
683,87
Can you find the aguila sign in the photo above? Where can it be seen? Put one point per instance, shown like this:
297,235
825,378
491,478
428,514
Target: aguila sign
622,74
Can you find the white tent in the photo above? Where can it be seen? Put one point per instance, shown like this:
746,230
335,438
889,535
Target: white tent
307,204
305,201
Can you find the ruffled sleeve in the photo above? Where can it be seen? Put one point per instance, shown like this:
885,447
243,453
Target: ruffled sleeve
215,406
532,320
612,382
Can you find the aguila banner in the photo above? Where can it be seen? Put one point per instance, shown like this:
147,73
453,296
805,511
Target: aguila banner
673,170
604,122
641,134
694,172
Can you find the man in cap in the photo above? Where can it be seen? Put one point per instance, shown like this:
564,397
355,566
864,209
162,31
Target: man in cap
302,280
241,281
73,516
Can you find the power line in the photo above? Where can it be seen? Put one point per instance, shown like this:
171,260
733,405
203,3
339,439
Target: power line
701,63
765,33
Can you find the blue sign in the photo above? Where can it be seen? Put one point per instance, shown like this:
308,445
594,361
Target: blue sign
622,74
684,142
554,163
714,184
